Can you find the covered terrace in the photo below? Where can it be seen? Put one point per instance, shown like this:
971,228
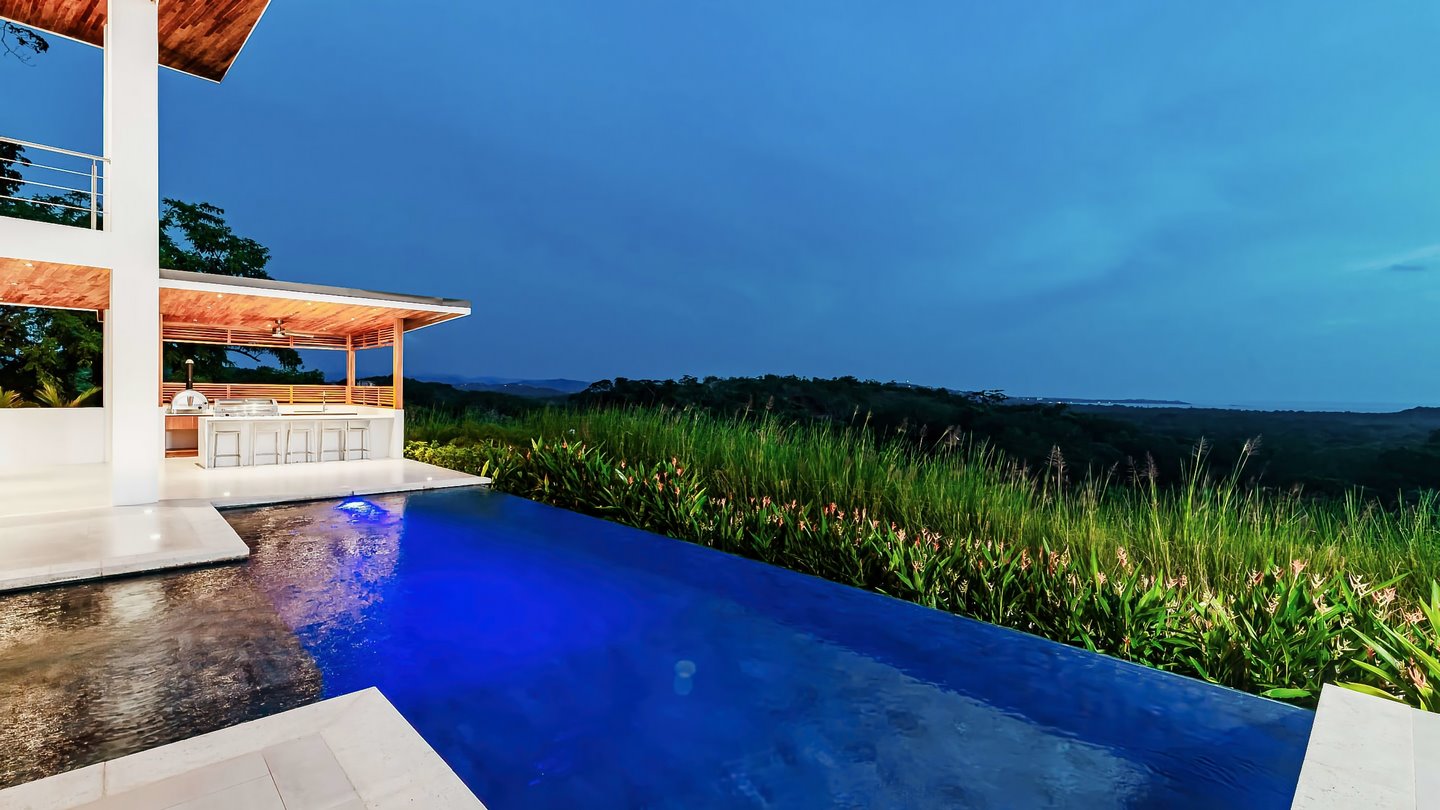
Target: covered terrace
208,309
201,308
57,518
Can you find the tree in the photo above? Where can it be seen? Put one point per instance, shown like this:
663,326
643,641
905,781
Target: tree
21,43
10,155
40,347
195,237
56,346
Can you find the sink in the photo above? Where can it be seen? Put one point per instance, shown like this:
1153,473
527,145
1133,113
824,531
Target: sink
322,413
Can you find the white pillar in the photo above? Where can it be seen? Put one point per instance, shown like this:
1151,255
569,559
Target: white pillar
132,213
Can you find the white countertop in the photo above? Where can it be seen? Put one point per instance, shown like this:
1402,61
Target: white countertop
296,417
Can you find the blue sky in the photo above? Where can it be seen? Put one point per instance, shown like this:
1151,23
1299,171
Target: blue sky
1221,201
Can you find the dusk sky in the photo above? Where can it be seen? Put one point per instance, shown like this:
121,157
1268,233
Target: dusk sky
1218,201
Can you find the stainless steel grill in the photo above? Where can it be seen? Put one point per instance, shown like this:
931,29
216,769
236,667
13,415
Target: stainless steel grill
247,407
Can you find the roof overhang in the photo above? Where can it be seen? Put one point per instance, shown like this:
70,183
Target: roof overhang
51,285
199,37
242,304
254,304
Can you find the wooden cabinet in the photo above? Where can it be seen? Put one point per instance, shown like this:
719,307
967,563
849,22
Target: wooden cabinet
182,436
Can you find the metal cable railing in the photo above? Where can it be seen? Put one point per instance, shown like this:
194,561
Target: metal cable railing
18,186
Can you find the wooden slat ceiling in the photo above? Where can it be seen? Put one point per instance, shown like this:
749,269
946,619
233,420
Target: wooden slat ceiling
256,312
46,284
199,37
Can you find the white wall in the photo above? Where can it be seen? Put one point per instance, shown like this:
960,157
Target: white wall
40,436
49,242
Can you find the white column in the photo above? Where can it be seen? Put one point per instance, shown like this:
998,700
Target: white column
132,213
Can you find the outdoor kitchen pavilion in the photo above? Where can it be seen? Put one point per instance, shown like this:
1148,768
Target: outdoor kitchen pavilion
228,311
200,308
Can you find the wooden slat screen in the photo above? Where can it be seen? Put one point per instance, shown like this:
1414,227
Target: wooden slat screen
384,336
223,336
378,396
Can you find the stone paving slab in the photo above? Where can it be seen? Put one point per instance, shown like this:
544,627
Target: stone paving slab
347,753
1369,752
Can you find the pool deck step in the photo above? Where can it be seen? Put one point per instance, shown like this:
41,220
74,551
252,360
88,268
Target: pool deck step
55,529
1369,752
348,753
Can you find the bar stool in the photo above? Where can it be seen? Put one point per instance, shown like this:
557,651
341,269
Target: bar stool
336,429
216,433
274,432
302,430
357,439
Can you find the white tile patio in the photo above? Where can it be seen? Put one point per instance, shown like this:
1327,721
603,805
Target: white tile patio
55,526
347,753
1369,752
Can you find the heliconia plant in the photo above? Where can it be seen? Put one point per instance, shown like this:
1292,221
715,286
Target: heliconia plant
1404,661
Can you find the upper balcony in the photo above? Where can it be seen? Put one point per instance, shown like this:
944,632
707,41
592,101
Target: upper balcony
50,184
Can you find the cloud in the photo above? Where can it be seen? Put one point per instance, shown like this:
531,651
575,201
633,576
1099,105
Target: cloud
1418,260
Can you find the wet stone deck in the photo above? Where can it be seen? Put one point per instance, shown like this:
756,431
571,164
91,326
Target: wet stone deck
347,753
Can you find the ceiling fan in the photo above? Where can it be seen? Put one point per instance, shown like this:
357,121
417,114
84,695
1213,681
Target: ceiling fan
281,332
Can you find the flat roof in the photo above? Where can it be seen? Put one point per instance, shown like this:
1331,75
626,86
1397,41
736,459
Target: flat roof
257,303
276,285
199,37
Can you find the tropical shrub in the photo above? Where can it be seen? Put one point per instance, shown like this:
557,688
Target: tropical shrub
49,395
11,399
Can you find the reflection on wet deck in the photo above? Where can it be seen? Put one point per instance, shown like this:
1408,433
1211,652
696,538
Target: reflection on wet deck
96,671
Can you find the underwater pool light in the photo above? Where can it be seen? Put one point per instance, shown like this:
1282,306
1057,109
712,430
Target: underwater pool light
360,508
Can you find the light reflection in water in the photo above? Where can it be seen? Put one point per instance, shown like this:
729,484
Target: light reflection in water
91,672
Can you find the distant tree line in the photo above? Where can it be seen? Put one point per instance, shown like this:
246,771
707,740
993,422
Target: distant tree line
1392,456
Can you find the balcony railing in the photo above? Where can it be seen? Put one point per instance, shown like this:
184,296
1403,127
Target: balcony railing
55,185
377,396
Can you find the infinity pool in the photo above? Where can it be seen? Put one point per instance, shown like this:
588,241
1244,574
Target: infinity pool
558,661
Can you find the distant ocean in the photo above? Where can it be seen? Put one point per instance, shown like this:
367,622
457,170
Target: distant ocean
1229,405
1296,405
1330,407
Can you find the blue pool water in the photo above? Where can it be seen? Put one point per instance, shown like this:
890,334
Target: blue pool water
556,660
